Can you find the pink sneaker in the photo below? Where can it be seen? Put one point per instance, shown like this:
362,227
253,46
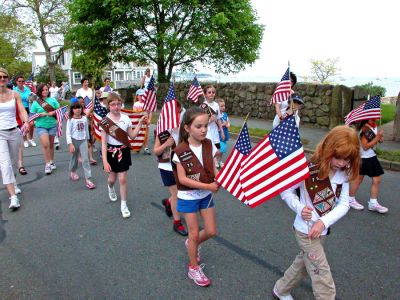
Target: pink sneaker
356,205
198,250
90,185
197,275
377,207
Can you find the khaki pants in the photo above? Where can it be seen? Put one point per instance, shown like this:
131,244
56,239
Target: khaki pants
312,261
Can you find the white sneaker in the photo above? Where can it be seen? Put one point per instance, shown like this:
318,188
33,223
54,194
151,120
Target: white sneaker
32,142
53,166
47,169
14,202
26,144
378,208
112,194
124,210
17,189
281,297
356,205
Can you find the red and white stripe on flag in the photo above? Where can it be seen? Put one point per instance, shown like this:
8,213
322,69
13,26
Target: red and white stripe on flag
150,100
229,176
274,165
60,112
283,90
195,91
370,109
169,115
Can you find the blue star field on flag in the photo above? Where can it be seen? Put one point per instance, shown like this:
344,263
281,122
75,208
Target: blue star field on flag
285,138
243,144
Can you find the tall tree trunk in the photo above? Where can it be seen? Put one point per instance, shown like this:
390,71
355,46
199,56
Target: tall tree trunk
396,125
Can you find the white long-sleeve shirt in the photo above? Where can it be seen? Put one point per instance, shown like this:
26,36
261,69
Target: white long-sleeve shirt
77,129
340,209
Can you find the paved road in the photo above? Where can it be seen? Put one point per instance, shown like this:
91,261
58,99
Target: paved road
67,242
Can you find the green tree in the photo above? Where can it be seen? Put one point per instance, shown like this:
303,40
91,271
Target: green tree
89,66
374,90
323,69
50,20
169,33
43,75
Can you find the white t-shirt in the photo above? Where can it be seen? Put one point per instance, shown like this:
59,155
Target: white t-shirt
84,93
195,194
213,130
124,123
370,152
54,92
167,165
284,105
77,129
138,105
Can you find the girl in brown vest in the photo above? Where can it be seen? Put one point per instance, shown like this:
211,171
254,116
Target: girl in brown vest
195,171
324,199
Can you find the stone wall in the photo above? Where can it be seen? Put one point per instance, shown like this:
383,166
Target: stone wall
325,105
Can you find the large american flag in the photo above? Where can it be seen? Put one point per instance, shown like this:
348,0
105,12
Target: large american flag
195,91
169,115
370,109
283,89
88,102
60,114
29,83
228,176
149,97
274,165
99,112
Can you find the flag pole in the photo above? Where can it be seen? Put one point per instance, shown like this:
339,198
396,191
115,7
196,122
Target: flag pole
290,101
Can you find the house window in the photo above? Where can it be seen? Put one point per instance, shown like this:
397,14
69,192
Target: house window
77,78
128,76
119,76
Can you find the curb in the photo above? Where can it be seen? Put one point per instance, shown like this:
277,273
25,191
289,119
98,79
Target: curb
386,164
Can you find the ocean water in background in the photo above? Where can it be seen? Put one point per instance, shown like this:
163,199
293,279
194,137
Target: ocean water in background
392,85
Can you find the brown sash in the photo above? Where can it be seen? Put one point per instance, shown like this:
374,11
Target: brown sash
204,106
47,107
320,191
193,168
166,155
115,131
368,133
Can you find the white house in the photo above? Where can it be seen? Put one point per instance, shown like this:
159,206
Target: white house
122,75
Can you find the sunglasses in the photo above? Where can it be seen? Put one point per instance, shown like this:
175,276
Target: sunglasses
4,77
21,81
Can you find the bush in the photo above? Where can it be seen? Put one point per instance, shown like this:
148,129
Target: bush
374,90
43,75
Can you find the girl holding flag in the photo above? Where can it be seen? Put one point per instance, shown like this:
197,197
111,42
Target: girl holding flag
46,124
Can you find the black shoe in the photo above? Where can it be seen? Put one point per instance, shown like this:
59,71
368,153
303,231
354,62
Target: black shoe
57,146
167,207
180,229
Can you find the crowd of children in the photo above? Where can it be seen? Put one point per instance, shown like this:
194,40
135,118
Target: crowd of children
188,161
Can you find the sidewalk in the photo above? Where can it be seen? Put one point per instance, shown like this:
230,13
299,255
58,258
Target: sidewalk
314,135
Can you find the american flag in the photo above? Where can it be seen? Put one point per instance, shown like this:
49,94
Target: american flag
274,165
88,102
29,83
195,91
107,89
60,114
99,112
228,176
169,115
283,89
149,97
370,109
31,117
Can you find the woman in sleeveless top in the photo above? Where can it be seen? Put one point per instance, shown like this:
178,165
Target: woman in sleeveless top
10,135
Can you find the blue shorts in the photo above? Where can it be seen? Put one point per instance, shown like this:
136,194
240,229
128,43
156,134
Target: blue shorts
50,131
193,206
167,177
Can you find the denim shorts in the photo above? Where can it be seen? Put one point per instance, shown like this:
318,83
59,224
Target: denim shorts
167,177
50,131
193,206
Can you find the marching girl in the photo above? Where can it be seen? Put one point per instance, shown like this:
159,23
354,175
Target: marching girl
370,166
164,143
116,152
195,171
77,134
46,124
215,125
324,199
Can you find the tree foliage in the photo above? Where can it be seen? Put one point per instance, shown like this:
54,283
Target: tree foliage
49,19
323,69
374,90
89,66
43,75
168,33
